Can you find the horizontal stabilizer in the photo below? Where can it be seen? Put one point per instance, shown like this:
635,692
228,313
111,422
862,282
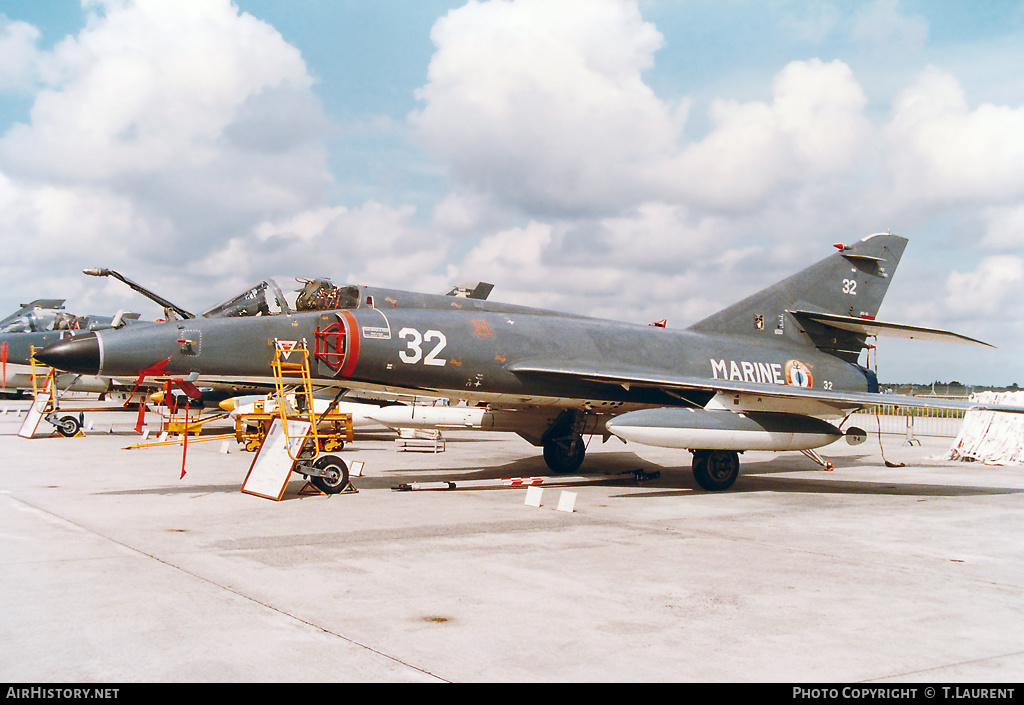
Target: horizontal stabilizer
867,326
853,257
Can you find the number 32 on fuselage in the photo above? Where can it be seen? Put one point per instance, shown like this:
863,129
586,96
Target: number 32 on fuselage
417,344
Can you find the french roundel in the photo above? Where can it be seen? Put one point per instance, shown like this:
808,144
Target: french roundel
798,374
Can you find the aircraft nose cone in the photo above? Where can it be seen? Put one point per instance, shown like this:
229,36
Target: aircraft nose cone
80,354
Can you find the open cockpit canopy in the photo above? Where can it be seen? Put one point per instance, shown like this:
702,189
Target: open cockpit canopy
41,320
267,299
264,299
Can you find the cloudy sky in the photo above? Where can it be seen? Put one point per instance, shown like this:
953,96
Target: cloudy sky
633,159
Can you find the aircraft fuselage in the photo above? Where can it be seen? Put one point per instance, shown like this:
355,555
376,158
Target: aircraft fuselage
477,356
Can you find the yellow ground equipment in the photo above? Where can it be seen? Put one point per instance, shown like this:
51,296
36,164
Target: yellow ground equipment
293,402
310,432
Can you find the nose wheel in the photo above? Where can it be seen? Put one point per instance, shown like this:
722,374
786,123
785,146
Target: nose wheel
332,474
67,426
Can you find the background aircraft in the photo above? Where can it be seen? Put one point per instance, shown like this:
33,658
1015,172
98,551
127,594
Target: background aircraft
38,324
771,372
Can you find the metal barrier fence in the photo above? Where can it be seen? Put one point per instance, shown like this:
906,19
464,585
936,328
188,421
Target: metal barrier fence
910,421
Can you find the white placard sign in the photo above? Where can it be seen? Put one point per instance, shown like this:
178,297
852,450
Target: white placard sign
567,502
35,412
533,495
272,465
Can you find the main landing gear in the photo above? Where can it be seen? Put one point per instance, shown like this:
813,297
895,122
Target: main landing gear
564,448
565,454
716,470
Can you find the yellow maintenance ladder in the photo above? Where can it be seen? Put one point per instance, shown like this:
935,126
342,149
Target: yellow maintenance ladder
285,369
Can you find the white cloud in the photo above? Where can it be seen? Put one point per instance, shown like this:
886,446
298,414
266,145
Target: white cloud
813,127
942,151
543,105
157,133
621,217
553,118
810,21
371,244
998,281
18,54
201,116
1005,228
880,24
51,232
42,223
657,262
150,85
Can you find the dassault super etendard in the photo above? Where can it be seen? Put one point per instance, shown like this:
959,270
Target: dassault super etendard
771,372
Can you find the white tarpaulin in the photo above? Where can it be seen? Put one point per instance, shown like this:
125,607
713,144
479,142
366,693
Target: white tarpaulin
992,437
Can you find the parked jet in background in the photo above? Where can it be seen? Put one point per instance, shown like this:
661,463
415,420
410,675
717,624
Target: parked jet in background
768,373
38,324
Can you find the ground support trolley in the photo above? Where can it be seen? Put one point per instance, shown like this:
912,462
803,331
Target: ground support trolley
335,428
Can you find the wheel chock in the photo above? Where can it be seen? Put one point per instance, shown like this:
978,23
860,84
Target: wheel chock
57,434
310,490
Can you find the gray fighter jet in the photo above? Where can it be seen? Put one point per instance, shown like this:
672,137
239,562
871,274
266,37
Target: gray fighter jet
38,324
768,373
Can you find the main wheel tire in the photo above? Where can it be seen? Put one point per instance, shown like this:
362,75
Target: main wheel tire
716,470
338,478
68,426
565,454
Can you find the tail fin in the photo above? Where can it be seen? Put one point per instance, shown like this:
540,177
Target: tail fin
850,284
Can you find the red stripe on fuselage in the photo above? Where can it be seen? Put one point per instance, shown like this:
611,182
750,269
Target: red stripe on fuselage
351,345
